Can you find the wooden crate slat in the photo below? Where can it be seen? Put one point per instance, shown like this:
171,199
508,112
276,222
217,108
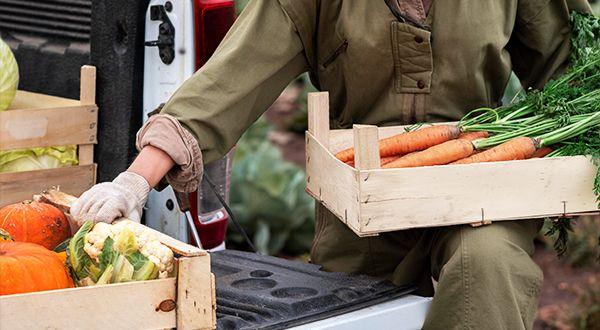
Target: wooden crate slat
87,96
332,182
18,186
488,180
366,157
85,154
87,89
443,195
195,294
29,100
46,128
116,306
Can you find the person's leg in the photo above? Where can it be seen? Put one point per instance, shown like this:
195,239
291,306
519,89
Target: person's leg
486,277
337,248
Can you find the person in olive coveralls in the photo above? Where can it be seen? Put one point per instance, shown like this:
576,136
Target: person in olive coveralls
384,63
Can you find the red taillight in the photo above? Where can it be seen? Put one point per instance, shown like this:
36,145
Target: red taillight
213,19
212,233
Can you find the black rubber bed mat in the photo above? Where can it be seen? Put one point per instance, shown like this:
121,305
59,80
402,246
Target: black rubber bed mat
262,292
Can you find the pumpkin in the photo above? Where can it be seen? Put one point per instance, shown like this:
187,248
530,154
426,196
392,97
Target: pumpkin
28,267
35,222
62,256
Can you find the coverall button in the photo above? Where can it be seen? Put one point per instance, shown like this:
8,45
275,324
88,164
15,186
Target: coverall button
421,84
418,39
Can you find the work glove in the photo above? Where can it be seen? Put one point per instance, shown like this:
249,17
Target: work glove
125,197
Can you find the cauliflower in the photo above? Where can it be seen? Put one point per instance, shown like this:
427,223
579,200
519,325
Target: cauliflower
94,240
160,255
121,252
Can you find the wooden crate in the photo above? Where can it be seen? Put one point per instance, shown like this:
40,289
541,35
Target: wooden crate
186,301
38,120
371,200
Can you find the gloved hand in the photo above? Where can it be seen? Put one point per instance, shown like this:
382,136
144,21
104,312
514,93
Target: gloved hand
123,197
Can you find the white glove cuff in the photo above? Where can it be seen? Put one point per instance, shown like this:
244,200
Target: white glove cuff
136,184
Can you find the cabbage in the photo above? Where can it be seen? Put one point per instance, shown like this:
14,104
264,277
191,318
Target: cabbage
9,76
37,158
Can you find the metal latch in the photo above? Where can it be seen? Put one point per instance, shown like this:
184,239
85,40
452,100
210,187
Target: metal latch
166,34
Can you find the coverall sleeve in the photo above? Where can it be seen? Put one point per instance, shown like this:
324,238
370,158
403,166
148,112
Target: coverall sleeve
259,57
540,43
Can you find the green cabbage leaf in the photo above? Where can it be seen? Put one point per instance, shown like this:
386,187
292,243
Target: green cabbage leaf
9,76
37,158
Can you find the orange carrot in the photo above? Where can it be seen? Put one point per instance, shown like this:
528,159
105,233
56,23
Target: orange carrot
440,154
384,160
472,136
542,152
387,160
405,143
515,149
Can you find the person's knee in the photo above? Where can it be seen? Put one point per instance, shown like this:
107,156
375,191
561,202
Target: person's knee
493,254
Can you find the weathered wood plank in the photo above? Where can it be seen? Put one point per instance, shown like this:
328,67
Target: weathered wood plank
458,194
29,100
48,127
318,117
332,182
87,96
18,186
87,89
366,147
124,306
195,304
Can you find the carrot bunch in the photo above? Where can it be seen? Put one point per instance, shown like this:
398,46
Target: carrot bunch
402,144
444,144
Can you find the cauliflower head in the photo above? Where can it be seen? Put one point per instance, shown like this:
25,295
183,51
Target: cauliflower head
142,240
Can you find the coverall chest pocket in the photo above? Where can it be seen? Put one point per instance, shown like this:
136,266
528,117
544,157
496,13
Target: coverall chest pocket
413,60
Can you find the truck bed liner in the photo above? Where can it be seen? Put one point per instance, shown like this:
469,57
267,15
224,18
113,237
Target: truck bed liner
262,292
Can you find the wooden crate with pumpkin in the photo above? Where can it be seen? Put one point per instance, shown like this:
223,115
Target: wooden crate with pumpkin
37,289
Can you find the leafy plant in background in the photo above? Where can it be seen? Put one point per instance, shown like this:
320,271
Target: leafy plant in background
586,312
240,5
268,196
582,245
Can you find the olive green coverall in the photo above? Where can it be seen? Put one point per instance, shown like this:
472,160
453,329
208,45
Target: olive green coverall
381,71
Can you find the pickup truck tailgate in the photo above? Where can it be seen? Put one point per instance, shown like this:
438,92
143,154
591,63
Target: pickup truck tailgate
262,292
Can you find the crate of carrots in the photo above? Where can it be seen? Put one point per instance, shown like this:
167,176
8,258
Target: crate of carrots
380,179
536,157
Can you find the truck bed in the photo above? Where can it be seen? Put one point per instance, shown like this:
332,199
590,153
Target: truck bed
263,292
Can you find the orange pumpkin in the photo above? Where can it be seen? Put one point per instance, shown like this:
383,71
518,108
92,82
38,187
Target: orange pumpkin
62,256
28,267
35,222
